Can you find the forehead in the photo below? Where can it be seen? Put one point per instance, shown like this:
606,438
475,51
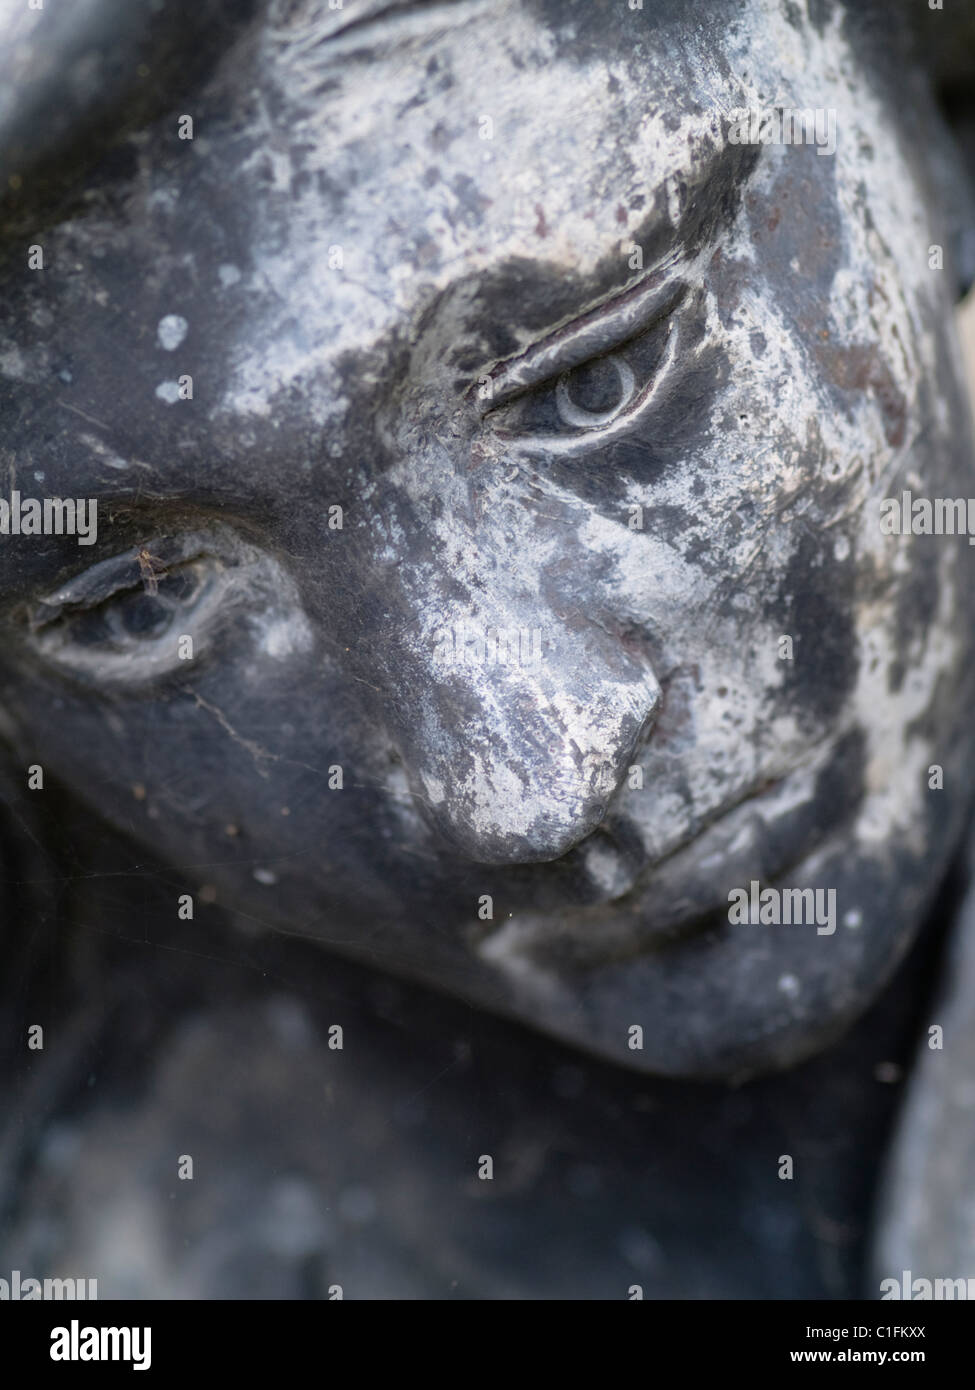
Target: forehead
343,179
467,135
340,178
516,149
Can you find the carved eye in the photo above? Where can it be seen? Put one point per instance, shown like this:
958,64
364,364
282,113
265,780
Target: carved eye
589,381
123,620
137,615
141,616
595,393
131,616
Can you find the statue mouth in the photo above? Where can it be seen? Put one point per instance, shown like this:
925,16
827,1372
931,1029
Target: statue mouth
628,903
607,860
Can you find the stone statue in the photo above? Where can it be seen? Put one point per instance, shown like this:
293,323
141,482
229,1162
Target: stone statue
484,424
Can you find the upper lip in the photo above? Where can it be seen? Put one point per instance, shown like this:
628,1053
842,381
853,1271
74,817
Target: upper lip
632,929
638,873
767,785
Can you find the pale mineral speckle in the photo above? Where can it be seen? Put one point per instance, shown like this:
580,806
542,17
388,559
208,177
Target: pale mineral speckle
168,391
12,364
172,329
434,789
283,636
605,867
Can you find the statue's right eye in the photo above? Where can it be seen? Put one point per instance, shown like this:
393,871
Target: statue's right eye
143,613
142,616
123,618
132,616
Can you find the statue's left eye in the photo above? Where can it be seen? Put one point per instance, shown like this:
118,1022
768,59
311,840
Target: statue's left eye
588,382
595,393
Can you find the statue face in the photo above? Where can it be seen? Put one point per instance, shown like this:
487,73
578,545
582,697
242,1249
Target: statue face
524,517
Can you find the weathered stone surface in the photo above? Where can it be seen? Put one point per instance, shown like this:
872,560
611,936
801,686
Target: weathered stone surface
341,265
486,418
926,1221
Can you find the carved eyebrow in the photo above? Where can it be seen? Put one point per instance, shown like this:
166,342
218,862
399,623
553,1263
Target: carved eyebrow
711,190
321,33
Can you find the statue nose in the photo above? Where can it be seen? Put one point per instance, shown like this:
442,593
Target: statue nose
515,761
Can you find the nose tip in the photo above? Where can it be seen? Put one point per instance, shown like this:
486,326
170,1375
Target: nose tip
535,832
532,786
